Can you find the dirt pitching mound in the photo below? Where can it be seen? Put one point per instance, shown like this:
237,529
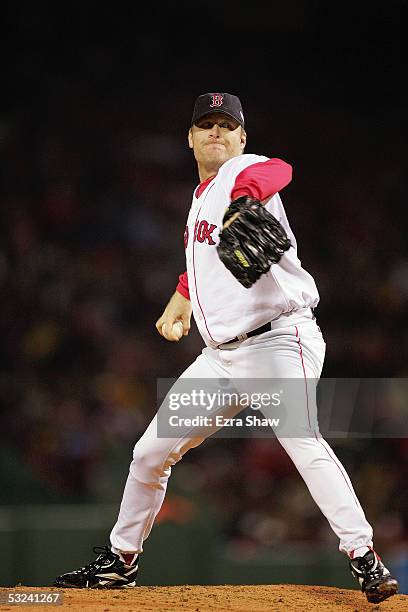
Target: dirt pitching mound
193,598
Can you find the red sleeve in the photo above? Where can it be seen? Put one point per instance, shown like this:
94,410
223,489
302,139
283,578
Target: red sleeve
182,286
262,180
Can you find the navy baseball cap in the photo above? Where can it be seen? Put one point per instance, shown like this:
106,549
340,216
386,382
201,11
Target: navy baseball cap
225,103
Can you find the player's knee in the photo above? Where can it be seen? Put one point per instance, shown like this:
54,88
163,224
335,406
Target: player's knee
148,465
145,465
302,451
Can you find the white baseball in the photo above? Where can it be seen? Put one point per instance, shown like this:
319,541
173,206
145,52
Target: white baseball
176,330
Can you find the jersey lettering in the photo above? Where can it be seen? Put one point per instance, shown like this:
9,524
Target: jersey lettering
204,231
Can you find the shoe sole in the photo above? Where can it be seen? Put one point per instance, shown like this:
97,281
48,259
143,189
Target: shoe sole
382,591
66,585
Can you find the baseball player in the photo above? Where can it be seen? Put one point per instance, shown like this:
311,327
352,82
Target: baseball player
253,305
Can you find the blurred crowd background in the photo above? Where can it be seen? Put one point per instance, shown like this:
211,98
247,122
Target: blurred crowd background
96,181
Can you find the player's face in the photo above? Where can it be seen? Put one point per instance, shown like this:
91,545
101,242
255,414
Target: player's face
216,138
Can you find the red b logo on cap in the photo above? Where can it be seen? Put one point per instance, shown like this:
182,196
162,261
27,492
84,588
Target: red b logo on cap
216,100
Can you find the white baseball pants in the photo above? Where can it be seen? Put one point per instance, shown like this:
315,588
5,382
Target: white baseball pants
294,348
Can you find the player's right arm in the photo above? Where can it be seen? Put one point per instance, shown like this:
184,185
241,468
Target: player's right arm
178,309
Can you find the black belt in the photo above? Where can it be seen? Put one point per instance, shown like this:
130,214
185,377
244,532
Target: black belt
255,332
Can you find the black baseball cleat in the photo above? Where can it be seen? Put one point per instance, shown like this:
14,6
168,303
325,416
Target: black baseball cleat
108,571
374,579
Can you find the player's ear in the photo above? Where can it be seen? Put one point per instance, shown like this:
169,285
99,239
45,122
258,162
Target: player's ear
190,139
243,138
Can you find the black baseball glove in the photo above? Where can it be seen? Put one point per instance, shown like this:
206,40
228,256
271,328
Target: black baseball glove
252,241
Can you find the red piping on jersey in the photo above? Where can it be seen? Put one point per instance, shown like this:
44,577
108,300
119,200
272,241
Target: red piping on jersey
203,185
304,374
325,446
182,286
195,278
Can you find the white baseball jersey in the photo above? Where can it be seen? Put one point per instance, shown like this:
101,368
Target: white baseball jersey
222,307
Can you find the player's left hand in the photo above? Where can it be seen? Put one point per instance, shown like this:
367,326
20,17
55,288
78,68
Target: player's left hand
251,240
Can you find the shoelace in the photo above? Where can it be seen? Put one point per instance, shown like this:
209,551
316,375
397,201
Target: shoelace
103,552
372,574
